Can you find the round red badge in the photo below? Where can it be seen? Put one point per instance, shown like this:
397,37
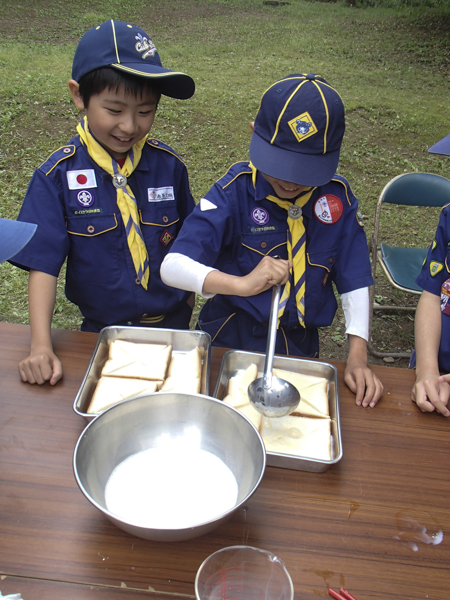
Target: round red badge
81,179
328,209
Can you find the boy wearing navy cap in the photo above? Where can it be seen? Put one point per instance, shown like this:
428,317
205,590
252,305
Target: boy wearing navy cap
112,200
431,357
287,202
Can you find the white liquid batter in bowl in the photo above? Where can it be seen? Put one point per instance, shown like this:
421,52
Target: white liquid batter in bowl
160,488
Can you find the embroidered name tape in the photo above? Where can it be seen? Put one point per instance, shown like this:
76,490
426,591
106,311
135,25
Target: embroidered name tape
160,194
84,179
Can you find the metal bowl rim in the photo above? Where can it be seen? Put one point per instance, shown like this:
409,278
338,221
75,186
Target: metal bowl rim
114,517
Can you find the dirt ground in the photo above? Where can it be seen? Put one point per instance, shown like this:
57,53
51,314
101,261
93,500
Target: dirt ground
391,331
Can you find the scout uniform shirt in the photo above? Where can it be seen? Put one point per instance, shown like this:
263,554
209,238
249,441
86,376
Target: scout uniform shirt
235,225
74,203
435,279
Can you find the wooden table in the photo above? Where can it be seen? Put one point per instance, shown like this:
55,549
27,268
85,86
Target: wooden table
361,525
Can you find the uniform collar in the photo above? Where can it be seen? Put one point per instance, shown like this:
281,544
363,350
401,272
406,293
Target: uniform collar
264,189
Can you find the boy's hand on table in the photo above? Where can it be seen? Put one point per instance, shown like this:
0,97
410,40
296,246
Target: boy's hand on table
358,375
41,366
432,392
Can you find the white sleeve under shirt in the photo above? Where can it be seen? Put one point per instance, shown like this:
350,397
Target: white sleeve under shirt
180,271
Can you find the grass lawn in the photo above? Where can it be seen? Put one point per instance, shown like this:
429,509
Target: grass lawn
390,65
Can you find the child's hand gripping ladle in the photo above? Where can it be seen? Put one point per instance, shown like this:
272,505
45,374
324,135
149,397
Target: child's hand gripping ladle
271,396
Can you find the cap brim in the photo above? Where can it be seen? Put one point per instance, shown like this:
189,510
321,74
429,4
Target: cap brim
441,147
14,235
170,83
294,167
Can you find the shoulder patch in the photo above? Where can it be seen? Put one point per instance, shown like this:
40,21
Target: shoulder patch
435,268
339,179
159,145
237,169
54,159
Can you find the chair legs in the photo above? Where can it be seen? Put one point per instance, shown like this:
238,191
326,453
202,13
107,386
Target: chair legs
373,308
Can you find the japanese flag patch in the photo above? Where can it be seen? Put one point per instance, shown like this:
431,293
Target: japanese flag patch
328,209
81,180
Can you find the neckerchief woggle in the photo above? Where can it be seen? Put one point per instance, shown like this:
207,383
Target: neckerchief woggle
125,197
296,247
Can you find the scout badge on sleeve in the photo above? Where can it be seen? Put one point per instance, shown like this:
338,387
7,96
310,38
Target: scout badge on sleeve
435,268
445,297
328,209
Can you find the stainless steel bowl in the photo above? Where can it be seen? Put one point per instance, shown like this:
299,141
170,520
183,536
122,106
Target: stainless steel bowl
138,423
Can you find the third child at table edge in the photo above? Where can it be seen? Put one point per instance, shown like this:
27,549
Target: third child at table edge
112,200
288,202
431,356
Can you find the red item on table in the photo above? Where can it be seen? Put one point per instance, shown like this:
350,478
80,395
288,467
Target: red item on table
346,594
335,594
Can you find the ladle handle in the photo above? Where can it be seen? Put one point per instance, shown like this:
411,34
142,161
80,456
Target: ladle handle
272,336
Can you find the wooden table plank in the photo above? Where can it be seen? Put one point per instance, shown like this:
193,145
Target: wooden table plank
337,528
40,589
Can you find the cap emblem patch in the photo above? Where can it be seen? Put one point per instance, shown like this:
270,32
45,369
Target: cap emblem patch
145,45
302,126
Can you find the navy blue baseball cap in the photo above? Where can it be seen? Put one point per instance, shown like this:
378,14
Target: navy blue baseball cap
129,49
14,235
298,130
441,147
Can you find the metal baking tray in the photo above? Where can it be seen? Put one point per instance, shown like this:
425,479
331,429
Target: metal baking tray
181,341
234,360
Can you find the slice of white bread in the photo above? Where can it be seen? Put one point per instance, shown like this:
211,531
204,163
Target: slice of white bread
111,390
237,389
313,392
298,436
184,374
186,364
252,415
137,360
185,385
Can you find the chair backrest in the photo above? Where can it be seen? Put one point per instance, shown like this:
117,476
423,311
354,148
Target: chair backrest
417,189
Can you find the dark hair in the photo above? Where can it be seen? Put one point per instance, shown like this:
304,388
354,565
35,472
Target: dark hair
95,82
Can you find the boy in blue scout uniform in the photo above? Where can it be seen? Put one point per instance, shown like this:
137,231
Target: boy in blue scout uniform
112,200
431,357
286,202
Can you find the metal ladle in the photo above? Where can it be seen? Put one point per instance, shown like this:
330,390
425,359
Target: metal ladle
272,396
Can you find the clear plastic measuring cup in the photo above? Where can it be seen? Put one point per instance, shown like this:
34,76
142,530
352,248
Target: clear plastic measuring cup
243,573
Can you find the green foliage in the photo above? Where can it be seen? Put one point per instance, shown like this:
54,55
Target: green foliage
389,60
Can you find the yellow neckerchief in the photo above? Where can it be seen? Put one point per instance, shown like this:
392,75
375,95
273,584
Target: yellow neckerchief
296,246
125,198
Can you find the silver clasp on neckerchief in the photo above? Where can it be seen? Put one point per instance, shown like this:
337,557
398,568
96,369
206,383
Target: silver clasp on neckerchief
295,212
119,181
